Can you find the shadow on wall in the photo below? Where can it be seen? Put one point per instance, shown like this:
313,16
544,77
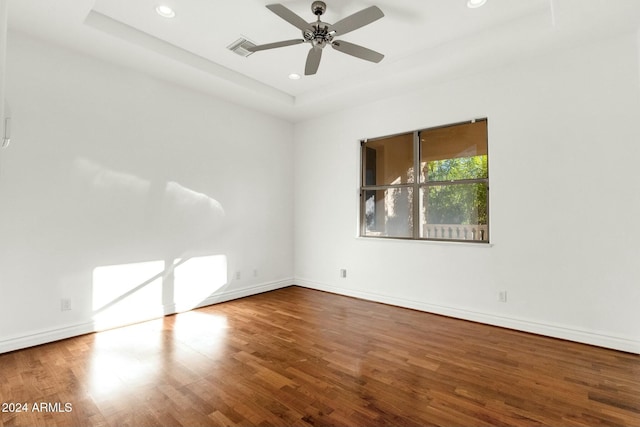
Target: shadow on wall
157,216
139,219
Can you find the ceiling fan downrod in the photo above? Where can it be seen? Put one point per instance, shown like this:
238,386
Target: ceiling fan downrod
320,36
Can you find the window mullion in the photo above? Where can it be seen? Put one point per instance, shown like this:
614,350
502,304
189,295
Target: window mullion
416,185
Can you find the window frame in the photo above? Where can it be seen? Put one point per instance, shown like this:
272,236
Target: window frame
417,185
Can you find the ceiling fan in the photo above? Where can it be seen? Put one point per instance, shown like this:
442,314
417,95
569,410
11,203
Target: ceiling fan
320,34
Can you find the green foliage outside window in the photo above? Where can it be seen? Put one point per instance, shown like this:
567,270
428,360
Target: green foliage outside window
457,203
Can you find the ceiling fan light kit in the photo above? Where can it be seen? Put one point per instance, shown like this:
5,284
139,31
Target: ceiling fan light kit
320,34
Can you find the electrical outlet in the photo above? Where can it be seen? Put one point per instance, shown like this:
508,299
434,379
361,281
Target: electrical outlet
502,296
65,304
343,273
255,272
238,275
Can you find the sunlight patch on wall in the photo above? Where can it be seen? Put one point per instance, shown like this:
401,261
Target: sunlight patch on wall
197,278
127,293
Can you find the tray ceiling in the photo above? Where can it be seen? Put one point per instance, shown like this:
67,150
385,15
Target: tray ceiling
423,41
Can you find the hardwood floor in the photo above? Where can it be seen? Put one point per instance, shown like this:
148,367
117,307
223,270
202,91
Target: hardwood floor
297,357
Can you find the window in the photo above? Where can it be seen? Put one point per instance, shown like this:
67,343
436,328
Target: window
431,184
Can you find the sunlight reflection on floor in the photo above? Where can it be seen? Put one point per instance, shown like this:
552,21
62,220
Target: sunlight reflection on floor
205,333
138,355
127,356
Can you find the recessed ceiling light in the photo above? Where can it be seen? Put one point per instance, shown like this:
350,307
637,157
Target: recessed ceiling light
165,11
294,76
472,4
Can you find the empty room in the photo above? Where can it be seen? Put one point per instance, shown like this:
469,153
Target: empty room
307,213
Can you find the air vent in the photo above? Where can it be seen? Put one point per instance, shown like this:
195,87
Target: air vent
241,47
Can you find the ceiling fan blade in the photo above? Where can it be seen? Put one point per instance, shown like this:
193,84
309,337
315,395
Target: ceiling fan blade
357,51
313,61
275,45
357,20
289,16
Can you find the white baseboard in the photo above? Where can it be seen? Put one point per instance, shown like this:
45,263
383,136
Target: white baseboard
46,336
61,333
586,337
570,334
219,297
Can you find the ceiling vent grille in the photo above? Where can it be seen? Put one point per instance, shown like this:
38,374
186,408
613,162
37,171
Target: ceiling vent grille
241,47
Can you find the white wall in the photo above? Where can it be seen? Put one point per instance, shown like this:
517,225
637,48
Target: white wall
4,8
110,167
564,146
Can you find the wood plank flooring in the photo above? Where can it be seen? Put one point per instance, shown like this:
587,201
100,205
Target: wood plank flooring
297,357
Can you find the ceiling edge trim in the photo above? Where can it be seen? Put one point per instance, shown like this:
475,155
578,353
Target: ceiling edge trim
132,35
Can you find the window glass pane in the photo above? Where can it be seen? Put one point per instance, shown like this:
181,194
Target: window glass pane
389,161
455,169
448,190
388,213
454,212
454,152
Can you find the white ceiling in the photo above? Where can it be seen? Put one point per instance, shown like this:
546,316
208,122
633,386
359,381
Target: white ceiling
424,41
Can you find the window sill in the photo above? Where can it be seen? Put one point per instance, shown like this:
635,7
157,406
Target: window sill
427,242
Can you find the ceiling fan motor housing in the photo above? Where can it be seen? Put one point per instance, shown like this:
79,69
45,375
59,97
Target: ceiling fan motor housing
320,35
